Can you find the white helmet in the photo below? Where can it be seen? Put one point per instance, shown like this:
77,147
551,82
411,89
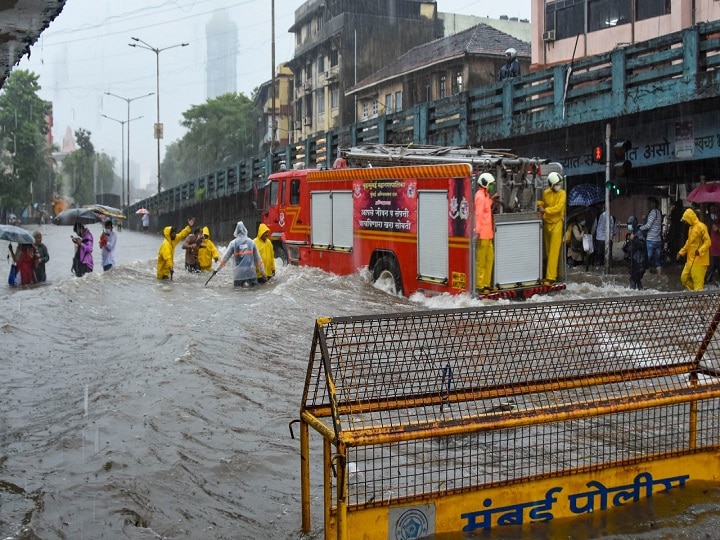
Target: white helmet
512,53
486,179
554,178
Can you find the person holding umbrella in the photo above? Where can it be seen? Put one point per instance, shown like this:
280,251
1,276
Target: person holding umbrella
166,254
25,259
83,259
108,241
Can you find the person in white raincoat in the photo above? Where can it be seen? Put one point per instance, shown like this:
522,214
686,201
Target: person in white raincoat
246,258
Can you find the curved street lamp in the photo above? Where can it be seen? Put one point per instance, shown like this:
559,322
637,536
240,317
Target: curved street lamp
158,126
128,100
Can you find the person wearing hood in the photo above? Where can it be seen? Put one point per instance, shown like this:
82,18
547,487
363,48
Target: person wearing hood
697,250
246,258
551,209
108,241
166,254
267,252
207,252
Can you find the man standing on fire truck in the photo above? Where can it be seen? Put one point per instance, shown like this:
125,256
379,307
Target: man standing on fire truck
485,232
552,210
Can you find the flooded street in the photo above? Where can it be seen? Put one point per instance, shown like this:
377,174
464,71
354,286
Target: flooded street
134,408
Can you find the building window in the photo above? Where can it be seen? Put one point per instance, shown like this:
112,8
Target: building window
321,63
608,13
398,101
566,17
442,82
308,72
652,8
364,110
388,104
334,57
374,108
320,100
428,90
334,96
457,83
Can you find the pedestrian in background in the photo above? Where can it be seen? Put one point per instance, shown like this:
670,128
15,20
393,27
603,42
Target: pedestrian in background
42,257
714,244
207,252
83,259
697,251
267,252
145,222
246,259
652,228
166,253
636,252
511,67
552,210
599,233
108,242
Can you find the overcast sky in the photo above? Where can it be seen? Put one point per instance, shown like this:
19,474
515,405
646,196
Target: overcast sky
85,53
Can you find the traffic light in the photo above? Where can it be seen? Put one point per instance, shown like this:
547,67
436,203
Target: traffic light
598,154
613,187
621,163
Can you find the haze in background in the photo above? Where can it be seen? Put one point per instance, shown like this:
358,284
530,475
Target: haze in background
85,53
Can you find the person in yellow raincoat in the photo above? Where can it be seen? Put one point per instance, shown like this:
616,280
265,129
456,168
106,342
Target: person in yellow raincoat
267,252
697,250
207,252
484,232
166,254
552,210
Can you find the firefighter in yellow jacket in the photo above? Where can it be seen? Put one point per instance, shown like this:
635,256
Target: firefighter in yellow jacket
697,250
267,252
166,254
552,210
484,232
207,252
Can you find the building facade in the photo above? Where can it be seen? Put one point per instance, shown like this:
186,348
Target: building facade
436,70
340,42
276,111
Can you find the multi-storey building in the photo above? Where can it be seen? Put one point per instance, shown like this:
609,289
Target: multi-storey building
275,111
222,46
340,42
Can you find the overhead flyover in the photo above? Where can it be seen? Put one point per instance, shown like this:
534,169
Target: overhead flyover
21,23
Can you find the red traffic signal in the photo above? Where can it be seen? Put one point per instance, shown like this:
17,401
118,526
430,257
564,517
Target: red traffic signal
598,154
622,165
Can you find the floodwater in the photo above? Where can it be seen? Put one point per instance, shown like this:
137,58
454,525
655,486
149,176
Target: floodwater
133,408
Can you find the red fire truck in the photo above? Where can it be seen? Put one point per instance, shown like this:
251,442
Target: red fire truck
406,214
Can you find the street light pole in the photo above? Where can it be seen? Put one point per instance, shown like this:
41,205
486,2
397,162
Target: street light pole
122,162
158,126
128,100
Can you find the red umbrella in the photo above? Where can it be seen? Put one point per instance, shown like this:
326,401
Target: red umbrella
705,193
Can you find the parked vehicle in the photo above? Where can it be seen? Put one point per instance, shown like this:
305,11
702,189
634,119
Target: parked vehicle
407,216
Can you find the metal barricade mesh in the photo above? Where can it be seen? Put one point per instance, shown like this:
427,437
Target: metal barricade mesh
451,400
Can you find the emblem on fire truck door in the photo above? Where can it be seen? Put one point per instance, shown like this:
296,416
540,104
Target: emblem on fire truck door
464,208
281,219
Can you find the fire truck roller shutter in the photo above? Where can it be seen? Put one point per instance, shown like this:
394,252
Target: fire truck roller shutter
387,270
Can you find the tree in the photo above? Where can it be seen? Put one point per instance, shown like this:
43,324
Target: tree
25,169
220,132
87,173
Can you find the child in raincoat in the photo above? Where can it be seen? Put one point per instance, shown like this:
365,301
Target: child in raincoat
207,252
697,250
267,252
166,254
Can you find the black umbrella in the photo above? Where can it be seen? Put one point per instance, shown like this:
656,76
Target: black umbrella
107,211
76,215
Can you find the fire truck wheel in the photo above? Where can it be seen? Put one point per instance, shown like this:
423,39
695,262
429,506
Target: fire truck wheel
386,270
280,253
